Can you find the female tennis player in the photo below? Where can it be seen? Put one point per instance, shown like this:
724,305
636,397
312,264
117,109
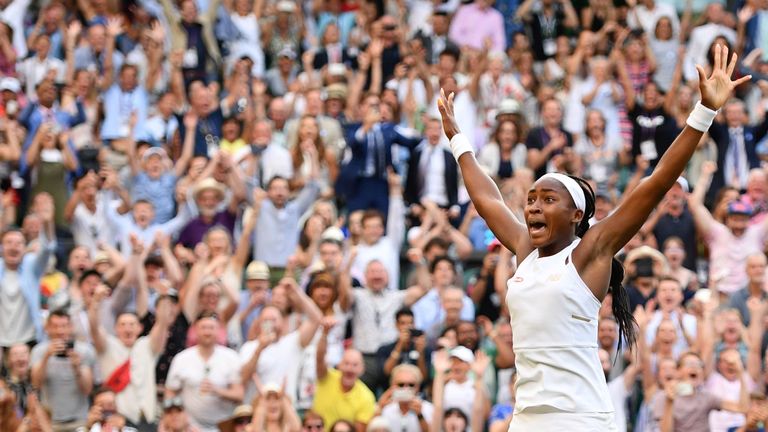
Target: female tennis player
567,268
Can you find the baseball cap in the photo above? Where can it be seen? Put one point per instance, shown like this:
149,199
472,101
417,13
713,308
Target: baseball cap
287,52
271,388
257,270
493,245
683,184
740,208
10,84
332,233
508,106
463,353
173,403
154,151
285,6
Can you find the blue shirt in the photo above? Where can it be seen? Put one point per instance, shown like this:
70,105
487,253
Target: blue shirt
120,106
160,192
35,114
428,312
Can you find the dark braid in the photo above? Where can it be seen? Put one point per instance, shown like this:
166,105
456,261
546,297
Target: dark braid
620,309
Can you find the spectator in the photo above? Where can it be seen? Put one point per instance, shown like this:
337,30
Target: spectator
340,394
175,418
490,35
410,347
364,179
375,244
20,273
62,369
755,289
206,376
427,311
104,415
274,354
276,234
685,405
431,174
736,142
401,406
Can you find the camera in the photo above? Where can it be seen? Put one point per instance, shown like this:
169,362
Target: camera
70,346
402,395
644,267
415,332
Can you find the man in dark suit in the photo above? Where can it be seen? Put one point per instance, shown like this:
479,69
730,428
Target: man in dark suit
333,51
736,142
363,180
437,41
432,171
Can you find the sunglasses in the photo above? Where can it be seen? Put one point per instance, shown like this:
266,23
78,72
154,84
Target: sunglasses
406,384
242,421
314,426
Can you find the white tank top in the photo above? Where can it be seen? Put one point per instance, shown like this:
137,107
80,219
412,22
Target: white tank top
554,324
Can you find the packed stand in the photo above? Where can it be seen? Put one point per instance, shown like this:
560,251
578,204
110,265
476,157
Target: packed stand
242,215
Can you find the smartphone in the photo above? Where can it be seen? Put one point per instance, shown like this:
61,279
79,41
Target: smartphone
267,326
684,389
402,395
416,333
70,346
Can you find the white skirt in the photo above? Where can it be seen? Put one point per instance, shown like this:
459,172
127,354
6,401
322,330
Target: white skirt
563,421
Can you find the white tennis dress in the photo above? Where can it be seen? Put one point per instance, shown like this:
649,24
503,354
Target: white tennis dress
560,383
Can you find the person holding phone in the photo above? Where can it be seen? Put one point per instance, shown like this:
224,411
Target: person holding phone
402,405
684,405
63,370
409,348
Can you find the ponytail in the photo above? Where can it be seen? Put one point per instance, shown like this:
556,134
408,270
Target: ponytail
620,304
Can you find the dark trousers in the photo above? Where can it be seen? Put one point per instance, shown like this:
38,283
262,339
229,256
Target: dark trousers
370,193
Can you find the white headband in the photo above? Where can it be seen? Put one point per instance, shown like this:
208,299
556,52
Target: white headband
576,192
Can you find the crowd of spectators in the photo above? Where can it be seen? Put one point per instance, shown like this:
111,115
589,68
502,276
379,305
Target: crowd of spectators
241,215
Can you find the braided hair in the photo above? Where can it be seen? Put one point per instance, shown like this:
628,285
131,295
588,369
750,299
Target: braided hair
620,306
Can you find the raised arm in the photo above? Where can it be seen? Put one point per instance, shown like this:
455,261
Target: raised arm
484,193
308,307
190,123
97,332
607,237
701,216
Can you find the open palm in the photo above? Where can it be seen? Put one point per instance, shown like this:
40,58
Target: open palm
716,89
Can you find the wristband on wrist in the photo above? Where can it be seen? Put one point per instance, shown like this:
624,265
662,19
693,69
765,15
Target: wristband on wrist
701,117
460,145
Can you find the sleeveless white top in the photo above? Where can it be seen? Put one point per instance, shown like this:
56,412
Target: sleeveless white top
554,324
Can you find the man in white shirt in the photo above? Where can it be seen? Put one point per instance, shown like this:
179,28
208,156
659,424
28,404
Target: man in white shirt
373,317
375,245
702,37
267,158
207,376
33,69
128,361
276,353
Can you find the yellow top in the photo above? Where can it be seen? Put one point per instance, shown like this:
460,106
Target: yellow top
232,147
356,405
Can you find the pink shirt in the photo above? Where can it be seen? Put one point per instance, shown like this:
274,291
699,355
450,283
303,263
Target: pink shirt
721,421
472,25
728,254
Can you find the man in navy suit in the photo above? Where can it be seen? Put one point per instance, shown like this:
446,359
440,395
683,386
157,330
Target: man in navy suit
363,180
736,142
432,171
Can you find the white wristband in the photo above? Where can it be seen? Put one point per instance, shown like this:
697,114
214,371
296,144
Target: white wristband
460,145
701,117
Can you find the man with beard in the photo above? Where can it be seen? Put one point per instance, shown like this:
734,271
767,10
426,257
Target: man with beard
209,194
